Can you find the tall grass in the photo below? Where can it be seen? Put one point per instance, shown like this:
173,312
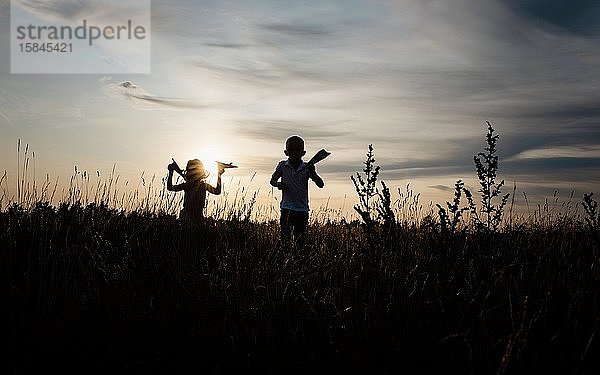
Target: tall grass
110,281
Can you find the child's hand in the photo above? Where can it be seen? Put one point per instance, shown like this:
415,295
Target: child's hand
171,167
280,186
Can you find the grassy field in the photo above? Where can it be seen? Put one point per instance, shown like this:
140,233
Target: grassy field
94,288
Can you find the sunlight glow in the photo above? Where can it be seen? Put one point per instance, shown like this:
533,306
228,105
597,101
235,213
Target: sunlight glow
208,157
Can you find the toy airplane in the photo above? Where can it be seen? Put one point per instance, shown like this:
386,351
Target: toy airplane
225,165
320,155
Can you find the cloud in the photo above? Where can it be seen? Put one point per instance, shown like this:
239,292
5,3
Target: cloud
4,7
414,67
228,45
7,103
561,152
279,130
297,29
578,16
76,10
140,98
5,118
441,188
14,107
58,9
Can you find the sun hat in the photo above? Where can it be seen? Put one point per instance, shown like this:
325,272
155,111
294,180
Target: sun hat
195,170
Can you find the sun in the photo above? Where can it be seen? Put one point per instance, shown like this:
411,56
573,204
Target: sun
210,150
209,156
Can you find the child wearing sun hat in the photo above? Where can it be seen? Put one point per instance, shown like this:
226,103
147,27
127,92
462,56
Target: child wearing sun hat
194,187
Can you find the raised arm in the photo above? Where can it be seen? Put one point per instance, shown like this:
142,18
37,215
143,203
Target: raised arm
170,185
217,189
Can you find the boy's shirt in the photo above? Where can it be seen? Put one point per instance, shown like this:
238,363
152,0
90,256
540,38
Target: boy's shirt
295,195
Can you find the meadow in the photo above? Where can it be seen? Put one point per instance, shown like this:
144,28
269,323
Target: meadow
91,286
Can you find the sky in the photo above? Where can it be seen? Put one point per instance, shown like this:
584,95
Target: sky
418,79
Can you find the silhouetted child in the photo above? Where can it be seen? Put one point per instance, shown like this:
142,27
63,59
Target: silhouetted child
294,174
195,188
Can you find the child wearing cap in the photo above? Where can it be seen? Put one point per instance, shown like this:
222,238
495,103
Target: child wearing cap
294,174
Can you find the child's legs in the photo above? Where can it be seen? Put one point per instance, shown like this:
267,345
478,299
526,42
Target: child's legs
299,220
285,224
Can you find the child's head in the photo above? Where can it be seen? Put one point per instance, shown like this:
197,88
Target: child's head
294,148
195,171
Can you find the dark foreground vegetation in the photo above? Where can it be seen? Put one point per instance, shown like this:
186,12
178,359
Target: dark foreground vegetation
87,288
93,289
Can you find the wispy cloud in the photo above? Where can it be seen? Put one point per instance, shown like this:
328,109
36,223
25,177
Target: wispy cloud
77,10
7,103
228,45
575,151
301,30
443,188
4,7
279,130
140,98
579,17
